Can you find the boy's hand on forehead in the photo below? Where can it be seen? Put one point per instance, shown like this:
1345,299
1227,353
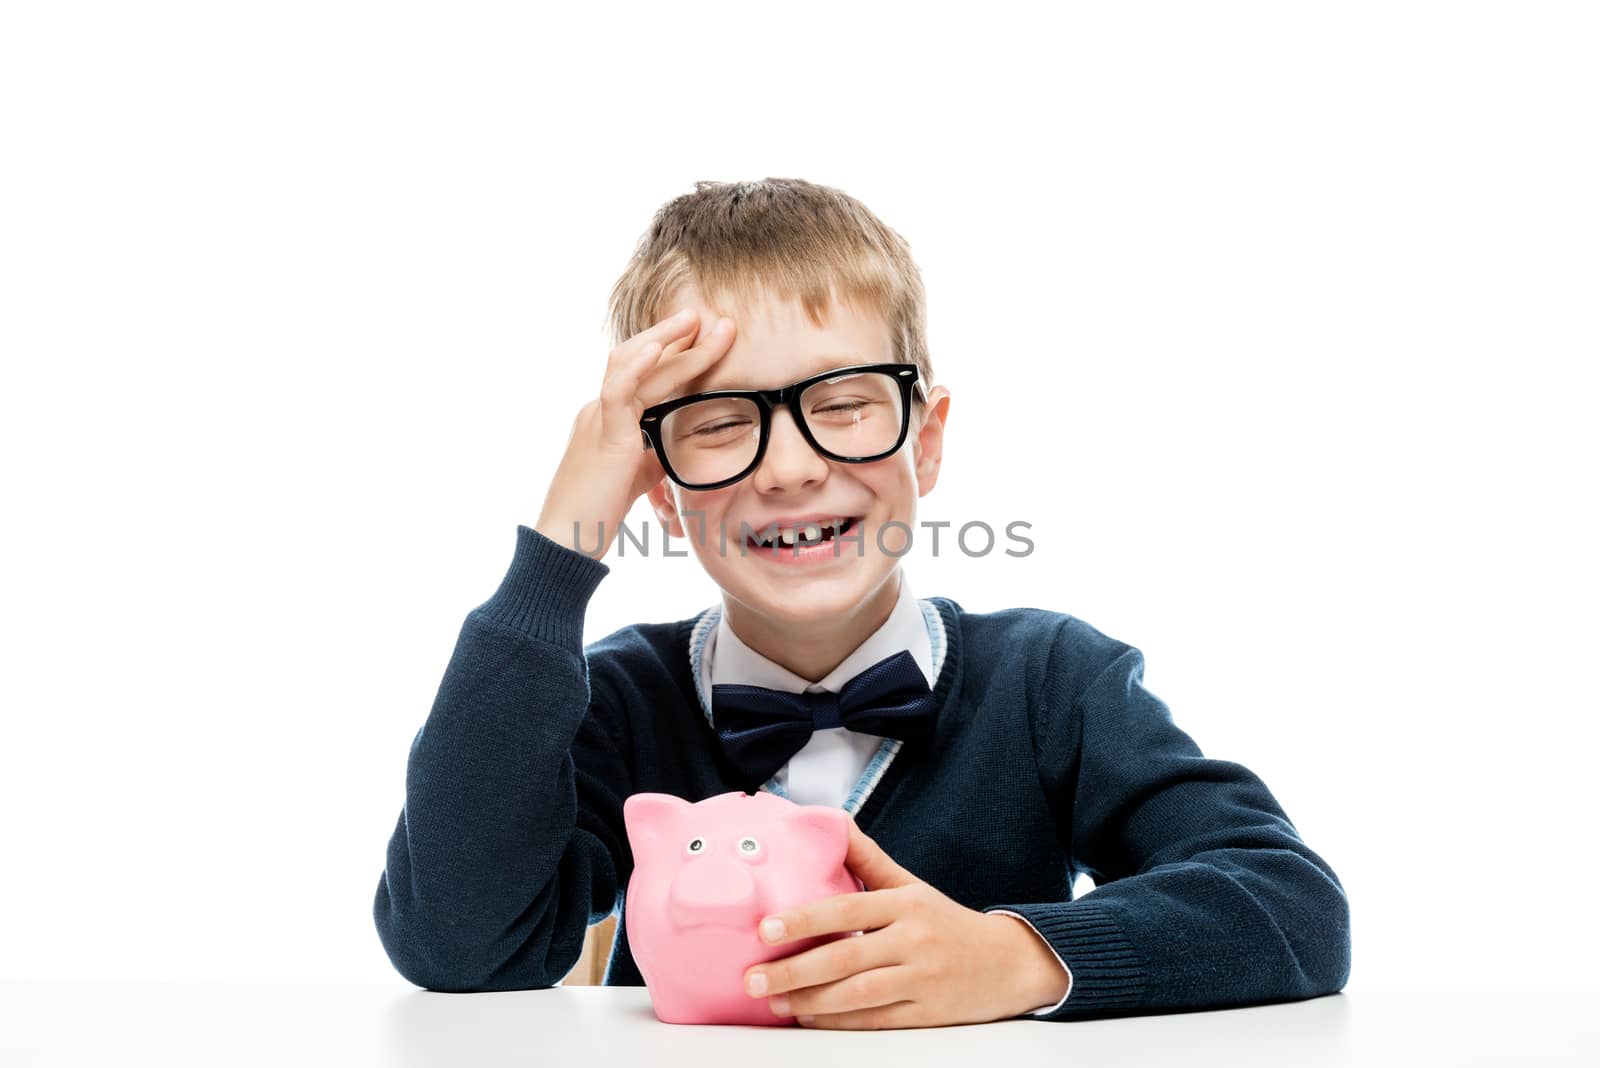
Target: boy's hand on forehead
605,469
685,355
921,959
672,377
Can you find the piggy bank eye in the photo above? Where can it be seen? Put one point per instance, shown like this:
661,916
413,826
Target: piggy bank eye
697,846
749,847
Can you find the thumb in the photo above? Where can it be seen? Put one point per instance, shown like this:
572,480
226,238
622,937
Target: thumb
868,862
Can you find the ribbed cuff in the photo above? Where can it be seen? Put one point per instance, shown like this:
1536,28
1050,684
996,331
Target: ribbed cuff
546,590
1108,973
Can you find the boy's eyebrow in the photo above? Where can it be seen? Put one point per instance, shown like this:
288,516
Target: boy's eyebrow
819,365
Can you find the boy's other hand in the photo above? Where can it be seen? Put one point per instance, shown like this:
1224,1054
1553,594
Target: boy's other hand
923,959
606,467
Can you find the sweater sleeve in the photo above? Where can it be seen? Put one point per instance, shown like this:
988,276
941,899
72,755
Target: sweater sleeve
511,840
1205,896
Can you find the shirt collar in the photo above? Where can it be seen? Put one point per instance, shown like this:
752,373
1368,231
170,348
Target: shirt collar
727,659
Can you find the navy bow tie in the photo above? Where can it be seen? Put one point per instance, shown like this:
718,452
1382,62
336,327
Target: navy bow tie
761,728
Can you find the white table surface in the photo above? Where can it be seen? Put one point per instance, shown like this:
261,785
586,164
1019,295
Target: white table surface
111,1023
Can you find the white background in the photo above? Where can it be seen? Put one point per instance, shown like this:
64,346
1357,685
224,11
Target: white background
1274,321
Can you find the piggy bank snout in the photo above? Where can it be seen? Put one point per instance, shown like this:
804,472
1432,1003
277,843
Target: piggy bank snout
714,891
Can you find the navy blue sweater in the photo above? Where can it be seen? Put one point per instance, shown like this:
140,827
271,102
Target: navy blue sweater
1050,758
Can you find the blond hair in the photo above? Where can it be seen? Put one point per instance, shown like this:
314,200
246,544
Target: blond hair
785,236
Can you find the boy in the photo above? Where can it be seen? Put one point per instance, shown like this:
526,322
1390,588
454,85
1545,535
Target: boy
985,758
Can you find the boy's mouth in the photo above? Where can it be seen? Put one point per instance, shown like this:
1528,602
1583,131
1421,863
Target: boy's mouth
802,535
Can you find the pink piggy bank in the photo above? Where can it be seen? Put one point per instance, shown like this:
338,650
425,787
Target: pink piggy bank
705,875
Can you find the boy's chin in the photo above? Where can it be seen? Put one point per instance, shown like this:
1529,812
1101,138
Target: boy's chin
804,594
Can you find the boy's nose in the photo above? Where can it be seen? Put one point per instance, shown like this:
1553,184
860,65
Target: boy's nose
789,461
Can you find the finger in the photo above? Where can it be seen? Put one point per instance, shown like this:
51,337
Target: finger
622,387
828,963
680,325
678,329
682,364
668,377
862,990
876,1018
866,911
684,340
868,862
619,393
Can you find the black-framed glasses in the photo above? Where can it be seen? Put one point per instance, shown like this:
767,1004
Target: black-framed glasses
854,414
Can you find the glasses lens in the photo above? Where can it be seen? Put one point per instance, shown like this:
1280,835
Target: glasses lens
854,414
711,440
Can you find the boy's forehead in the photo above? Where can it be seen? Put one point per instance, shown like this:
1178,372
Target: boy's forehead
777,343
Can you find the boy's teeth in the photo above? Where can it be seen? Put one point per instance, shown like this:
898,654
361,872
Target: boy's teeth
809,534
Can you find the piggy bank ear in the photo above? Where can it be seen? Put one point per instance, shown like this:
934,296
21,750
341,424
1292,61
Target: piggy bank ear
822,828
649,817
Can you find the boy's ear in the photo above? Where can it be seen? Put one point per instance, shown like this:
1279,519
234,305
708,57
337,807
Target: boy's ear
649,817
665,507
928,447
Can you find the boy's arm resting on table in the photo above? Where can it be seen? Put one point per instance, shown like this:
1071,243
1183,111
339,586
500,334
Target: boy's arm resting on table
512,825
1205,896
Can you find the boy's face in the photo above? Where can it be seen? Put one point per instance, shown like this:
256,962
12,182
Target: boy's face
775,343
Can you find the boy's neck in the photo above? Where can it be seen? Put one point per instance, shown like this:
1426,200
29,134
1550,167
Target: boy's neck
818,650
